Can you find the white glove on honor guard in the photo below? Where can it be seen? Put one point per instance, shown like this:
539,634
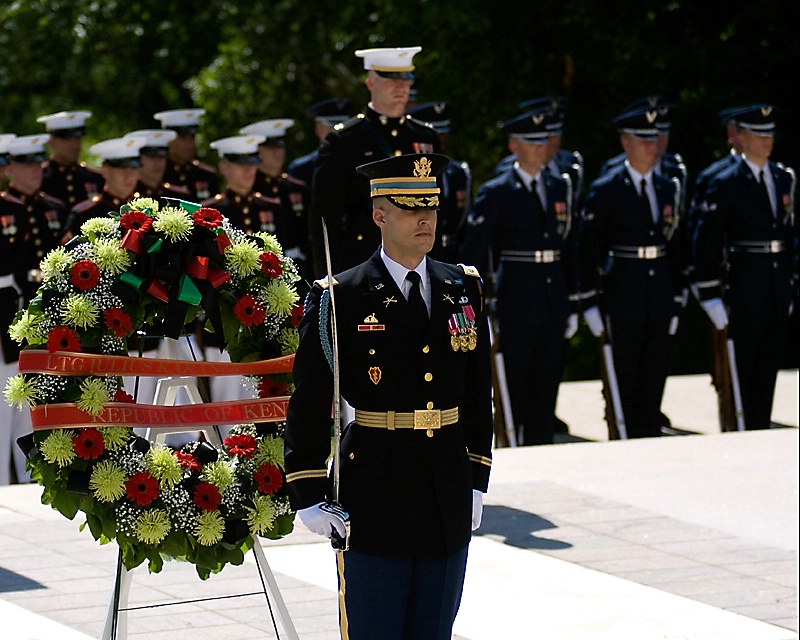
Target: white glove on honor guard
716,312
572,326
477,508
321,522
593,320
673,326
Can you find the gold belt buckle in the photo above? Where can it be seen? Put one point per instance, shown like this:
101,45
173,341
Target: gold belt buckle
648,253
428,419
775,246
548,255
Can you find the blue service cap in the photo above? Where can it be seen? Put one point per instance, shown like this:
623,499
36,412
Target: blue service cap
533,126
331,111
758,118
408,181
641,123
656,103
436,114
557,104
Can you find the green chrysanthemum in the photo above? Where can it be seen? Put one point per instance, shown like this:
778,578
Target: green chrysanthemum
95,227
280,298
80,312
174,223
114,438
219,474
94,396
163,465
140,204
270,242
26,328
55,263
261,516
57,447
289,340
243,259
109,256
21,391
270,450
210,527
152,526
107,481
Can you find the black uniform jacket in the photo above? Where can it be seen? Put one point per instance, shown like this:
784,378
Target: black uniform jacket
199,178
71,183
504,219
408,494
735,211
341,194
614,216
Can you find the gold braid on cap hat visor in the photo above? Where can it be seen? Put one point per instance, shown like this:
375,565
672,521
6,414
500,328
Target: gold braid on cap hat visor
391,69
408,201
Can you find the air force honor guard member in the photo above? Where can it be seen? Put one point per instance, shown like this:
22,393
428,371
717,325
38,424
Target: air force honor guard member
65,177
382,130
522,219
183,169
415,363
746,223
628,249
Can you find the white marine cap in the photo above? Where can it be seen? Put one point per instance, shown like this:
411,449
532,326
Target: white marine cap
273,130
5,138
27,149
156,141
119,152
239,149
180,118
397,62
65,123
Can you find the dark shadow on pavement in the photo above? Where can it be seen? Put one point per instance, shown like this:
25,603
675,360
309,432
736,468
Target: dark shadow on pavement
517,528
10,581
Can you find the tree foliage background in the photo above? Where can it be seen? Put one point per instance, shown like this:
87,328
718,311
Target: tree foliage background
247,60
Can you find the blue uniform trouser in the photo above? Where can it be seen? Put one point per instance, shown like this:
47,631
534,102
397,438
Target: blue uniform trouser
382,598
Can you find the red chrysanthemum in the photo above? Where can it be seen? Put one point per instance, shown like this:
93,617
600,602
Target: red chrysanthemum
207,496
63,339
120,395
141,488
118,321
241,445
271,264
207,217
88,444
84,275
137,220
268,388
297,315
249,311
188,461
268,478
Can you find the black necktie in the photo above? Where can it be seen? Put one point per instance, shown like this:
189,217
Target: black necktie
419,311
763,184
535,193
646,200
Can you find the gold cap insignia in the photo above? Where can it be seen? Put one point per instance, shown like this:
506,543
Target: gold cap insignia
422,168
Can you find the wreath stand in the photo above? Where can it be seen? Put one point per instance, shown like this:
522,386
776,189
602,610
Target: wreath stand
116,624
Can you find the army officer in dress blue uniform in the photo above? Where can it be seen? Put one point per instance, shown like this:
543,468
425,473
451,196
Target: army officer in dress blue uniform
627,237
341,194
748,215
522,221
415,363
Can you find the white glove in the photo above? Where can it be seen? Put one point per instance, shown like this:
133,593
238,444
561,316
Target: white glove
673,326
716,312
477,508
321,522
572,326
593,320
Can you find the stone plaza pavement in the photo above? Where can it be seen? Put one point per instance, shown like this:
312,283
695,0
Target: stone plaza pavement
687,537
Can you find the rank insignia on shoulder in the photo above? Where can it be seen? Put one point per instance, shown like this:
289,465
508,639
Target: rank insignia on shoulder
469,270
323,282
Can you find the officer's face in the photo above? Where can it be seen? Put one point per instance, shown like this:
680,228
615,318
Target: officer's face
25,176
406,235
530,155
152,170
272,159
182,149
65,150
641,153
553,145
388,95
239,178
120,181
755,147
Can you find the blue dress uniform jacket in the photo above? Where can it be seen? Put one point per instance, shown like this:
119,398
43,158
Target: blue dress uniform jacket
199,178
71,184
454,203
408,494
302,169
341,194
570,162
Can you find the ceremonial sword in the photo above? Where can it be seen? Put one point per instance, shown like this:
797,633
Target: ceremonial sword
333,507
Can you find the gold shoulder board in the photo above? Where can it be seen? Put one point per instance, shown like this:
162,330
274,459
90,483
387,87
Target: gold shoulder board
323,282
469,270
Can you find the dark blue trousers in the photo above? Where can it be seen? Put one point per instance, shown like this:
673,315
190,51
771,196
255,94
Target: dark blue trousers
384,598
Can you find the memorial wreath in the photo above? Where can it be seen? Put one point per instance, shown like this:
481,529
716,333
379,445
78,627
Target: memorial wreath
157,270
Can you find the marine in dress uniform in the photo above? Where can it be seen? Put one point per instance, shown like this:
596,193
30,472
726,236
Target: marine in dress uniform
65,178
5,138
340,194
415,364
183,169
455,183
272,181
746,226
325,114
153,156
120,168
627,235
522,220
31,228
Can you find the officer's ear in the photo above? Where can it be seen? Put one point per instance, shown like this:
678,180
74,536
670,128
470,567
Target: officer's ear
379,216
